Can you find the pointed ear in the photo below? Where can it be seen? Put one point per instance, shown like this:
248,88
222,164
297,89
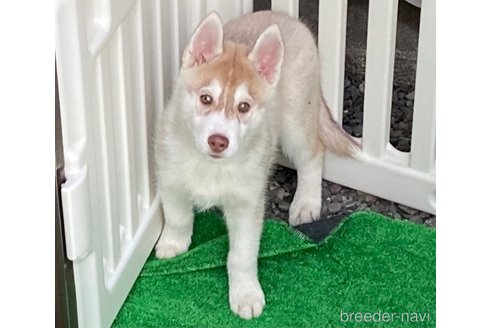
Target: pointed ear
268,54
205,43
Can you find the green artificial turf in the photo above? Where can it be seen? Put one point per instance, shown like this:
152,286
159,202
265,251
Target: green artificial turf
368,265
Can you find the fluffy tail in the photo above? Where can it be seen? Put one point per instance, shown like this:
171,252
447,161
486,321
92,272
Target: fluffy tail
334,136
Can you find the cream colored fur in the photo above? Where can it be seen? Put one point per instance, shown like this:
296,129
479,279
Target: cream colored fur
288,114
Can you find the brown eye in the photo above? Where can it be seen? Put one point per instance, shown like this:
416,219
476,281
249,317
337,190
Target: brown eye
243,107
206,99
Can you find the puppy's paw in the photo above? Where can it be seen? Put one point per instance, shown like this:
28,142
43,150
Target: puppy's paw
304,211
247,300
167,248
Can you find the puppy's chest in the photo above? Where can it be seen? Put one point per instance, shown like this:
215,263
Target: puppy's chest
212,186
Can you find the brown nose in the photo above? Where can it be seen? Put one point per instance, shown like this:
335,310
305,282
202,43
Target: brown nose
218,143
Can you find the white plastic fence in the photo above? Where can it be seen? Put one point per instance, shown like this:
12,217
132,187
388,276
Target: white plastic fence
117,60
407,178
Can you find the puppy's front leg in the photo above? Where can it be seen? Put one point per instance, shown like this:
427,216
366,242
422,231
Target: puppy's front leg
178,226
244,224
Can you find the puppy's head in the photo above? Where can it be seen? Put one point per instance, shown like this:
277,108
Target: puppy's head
227,85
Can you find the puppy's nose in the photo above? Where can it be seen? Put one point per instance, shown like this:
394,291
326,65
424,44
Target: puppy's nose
218,143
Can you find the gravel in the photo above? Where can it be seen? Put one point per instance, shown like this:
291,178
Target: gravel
337,202
401,112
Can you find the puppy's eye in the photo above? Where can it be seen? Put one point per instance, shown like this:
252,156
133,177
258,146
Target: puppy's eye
206,99
243,107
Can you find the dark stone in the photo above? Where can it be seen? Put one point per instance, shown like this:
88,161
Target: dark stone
407,210
351,204
357,130
416,219
354,92
289,187
395,96
281,177
393,209
324,209
425,215
361,207
370,199
334,207
431,222
336,198
335,188
281,193
283,205
410,96
376,207
272,187
359,116
397,133
404,126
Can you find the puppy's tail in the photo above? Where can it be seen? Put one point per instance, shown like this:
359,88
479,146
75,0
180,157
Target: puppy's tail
334,137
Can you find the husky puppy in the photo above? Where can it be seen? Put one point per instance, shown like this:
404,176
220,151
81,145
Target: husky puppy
244,91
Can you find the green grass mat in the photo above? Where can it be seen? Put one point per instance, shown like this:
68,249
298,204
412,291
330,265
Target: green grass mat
370,272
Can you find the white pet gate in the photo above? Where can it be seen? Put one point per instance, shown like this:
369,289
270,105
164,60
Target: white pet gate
116,62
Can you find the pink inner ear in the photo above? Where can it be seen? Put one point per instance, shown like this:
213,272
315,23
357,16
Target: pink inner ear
204,51
206,44
268,56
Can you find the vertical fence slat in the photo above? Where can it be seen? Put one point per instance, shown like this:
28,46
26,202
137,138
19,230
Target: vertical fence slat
289,6
211,5
381,36
156,56
193,14
331,44
247,6
129,125
173,30
227,9
110,214
422,154
124,145
182,24
139,106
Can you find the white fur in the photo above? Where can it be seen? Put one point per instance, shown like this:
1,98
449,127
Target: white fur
242,94
189,178
216,123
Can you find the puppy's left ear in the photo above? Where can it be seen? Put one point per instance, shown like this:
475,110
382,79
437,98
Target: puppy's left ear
268,54
205,43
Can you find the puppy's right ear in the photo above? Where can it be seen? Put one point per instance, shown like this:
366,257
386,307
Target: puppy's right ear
205,43
268,54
